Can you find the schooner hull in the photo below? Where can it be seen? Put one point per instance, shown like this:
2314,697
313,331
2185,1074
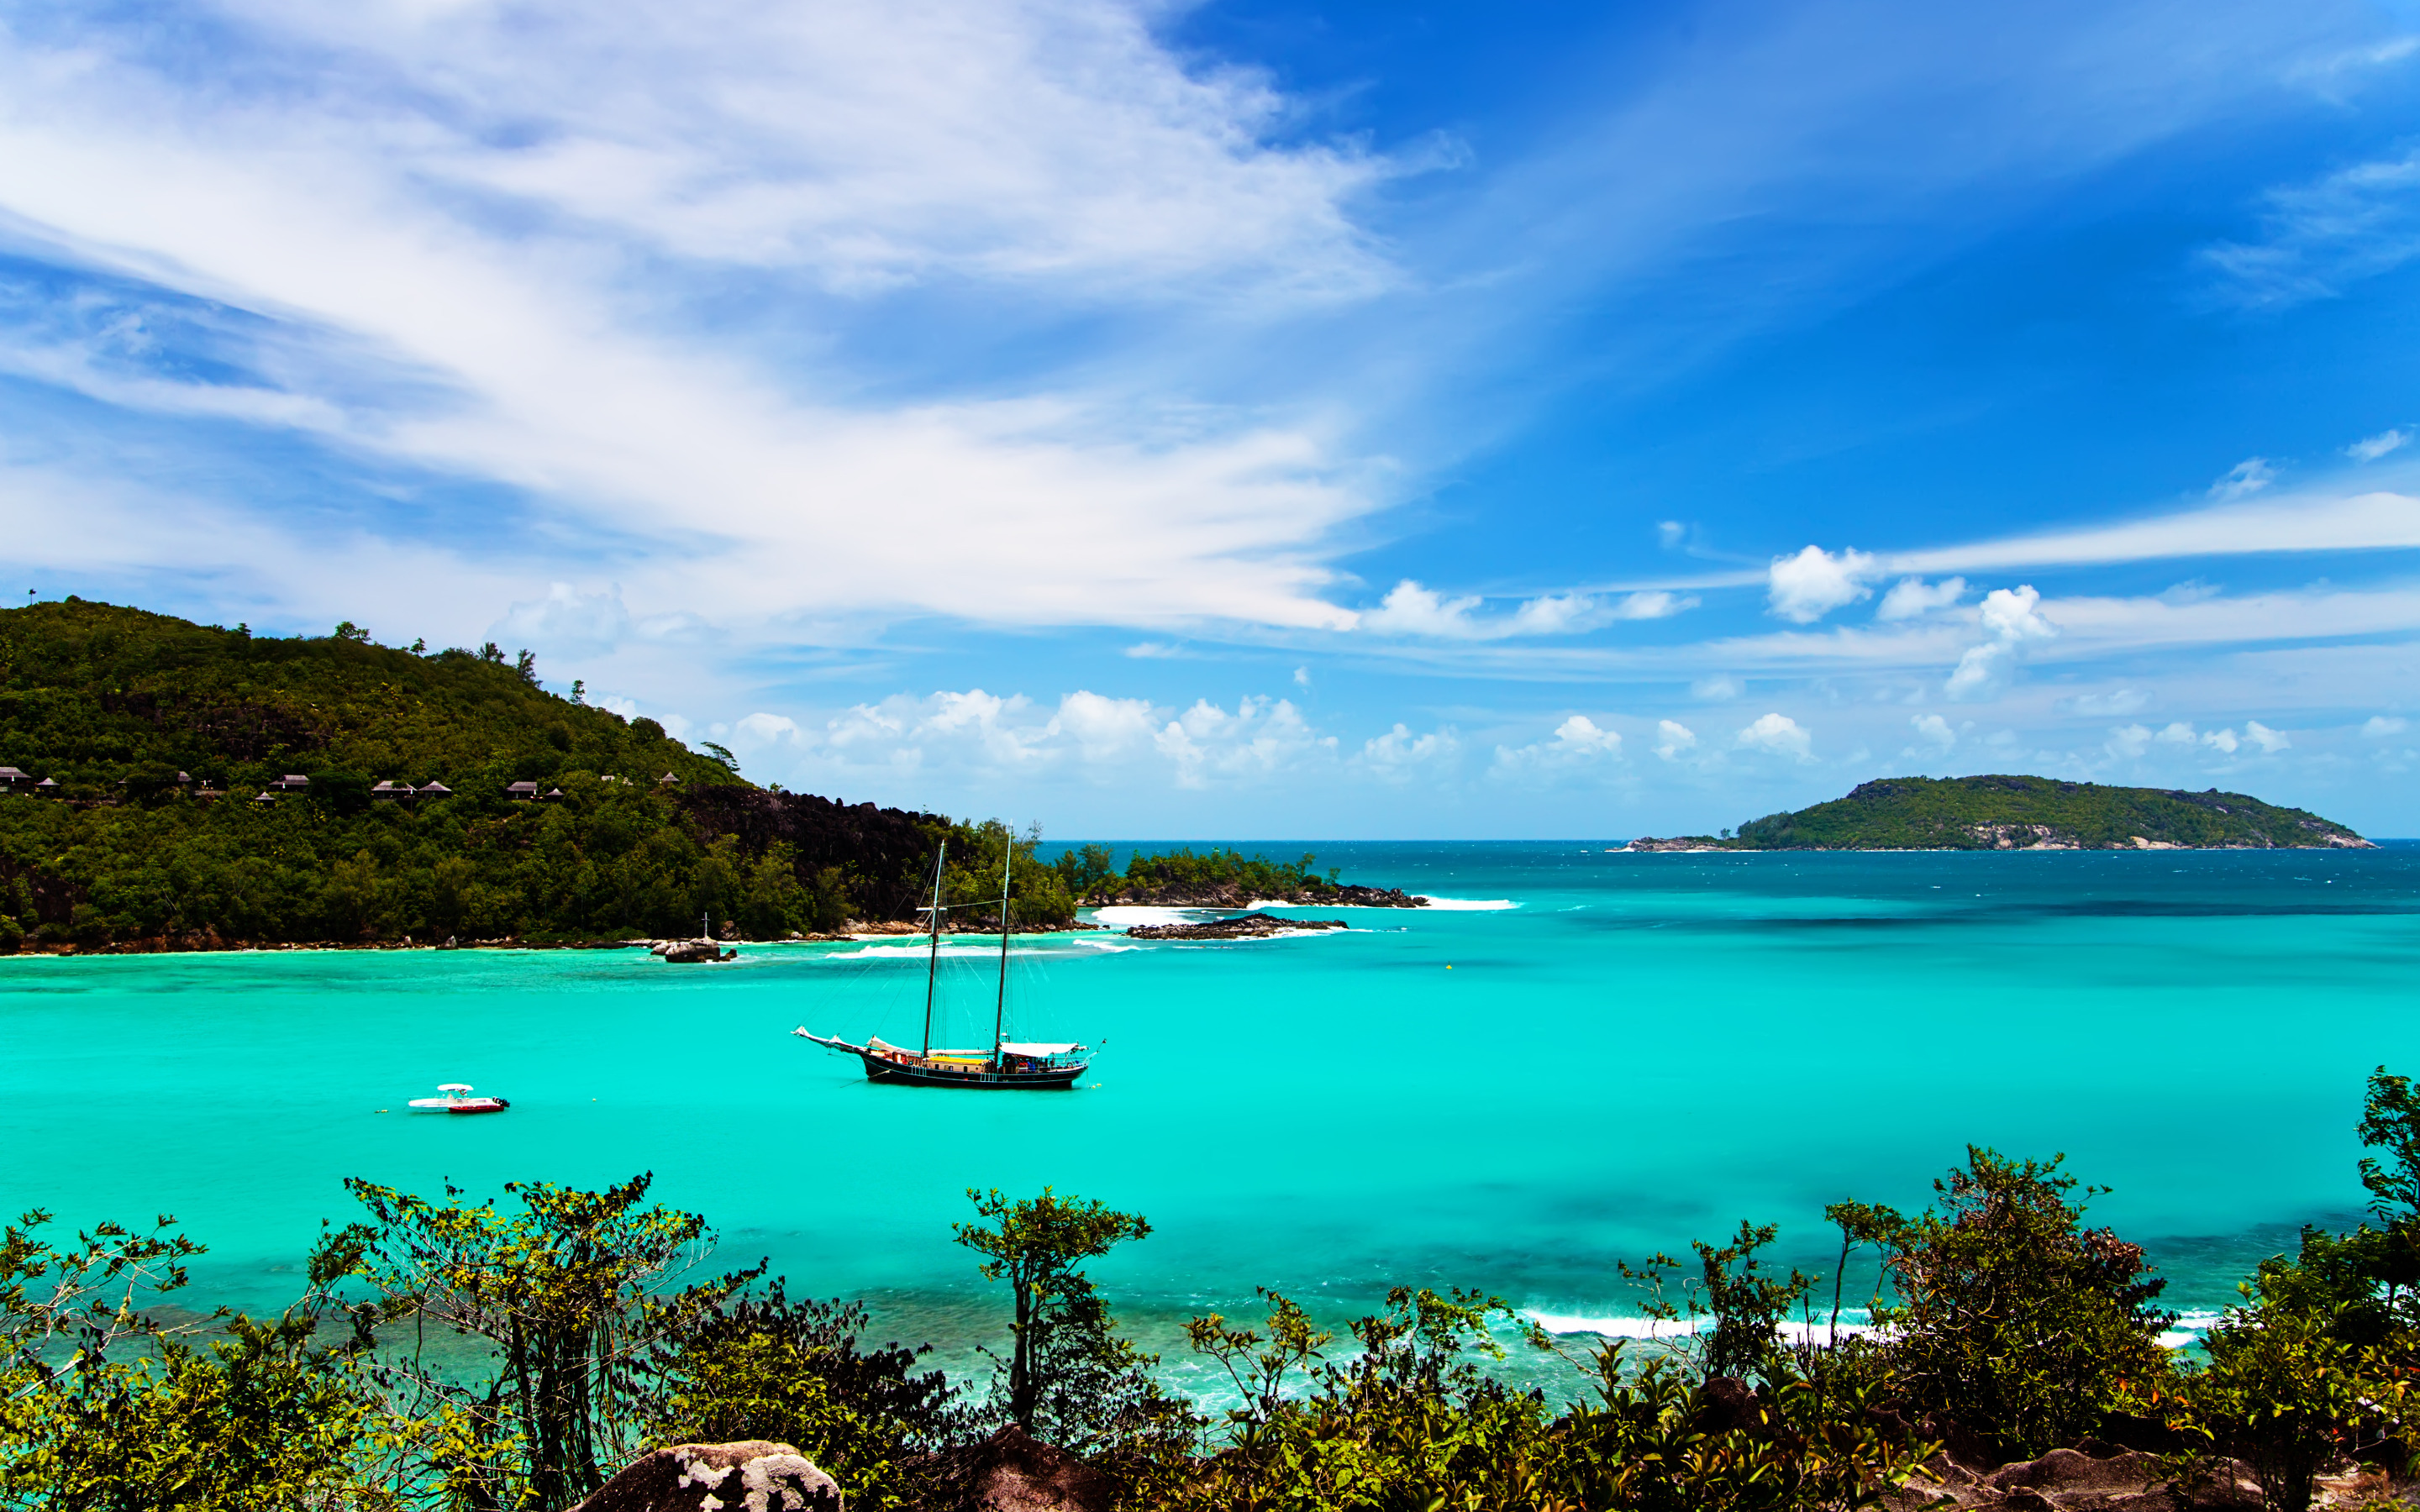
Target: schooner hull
973,1078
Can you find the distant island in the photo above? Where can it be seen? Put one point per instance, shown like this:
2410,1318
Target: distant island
173,786
2024,814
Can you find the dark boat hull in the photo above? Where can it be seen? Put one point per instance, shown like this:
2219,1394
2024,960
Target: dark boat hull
974,1079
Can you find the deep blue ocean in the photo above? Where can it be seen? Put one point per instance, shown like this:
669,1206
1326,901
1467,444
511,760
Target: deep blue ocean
1577,1055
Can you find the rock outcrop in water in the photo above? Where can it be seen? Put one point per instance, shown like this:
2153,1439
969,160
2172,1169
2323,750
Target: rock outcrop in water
1243,926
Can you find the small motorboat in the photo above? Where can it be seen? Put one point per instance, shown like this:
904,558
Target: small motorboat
457,1099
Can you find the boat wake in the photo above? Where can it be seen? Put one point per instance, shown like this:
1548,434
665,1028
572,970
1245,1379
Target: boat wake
1468,906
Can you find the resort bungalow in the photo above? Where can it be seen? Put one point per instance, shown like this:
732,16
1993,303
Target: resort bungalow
521,789
292,782
13,780
390,789
551,795
48,787
668,781
434,789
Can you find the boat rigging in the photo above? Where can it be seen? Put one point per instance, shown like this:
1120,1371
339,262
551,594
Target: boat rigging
1006,1066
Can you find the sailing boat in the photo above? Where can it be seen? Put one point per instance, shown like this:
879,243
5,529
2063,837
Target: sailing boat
1006,1066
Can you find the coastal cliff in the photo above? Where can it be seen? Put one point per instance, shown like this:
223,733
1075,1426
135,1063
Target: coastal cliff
2025,814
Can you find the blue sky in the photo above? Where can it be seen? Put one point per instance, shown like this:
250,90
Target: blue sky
1265,419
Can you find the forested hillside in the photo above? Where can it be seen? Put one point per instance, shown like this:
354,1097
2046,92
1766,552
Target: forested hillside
1983,813
113,705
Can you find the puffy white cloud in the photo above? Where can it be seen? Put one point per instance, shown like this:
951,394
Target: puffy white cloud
1934,728
2010,618
568,621
2223,740
2370,448
1910,598
2269,741
762,729
1577,742
1813,583
2177,732
1779,734
1411,609
1673,739
2129,742
1262,737
1398,755
2244,479
2382,725
1652,604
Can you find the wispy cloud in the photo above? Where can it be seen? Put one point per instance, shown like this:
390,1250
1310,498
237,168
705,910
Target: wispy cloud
2323,236
1411,609
2370,448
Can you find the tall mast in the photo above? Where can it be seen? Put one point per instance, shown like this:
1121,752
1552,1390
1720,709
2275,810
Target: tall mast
1000,1013
933,963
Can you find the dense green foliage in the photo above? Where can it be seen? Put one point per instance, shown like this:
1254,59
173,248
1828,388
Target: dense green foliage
160,735
1185,873
492,1356
1982,813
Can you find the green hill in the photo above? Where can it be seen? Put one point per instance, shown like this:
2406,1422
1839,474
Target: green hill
115,705
1985,814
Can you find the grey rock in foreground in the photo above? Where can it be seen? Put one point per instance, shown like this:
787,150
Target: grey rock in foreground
749,1476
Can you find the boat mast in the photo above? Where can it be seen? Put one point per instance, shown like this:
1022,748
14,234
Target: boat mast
933,963
1000,1012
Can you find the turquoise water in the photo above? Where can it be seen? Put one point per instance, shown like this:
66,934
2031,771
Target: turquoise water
1640,1050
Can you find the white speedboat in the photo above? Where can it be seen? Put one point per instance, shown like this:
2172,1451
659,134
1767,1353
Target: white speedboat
457,1099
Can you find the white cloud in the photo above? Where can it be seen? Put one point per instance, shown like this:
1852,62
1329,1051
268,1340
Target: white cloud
1811,584
2269,741
2382,725
1716,689
1262,737
503,248
2116,700
1398,755
2244,479
1910,598
1935,729
1302,677
2370,448
1577,742
2325,236
2129,742
1779,734
2177,732
567,623
2223,740
762,729
1670,534
1412,610
2010,618
2311,520
1673,739
1652,604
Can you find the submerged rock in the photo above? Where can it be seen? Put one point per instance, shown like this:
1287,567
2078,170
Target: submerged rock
749,1476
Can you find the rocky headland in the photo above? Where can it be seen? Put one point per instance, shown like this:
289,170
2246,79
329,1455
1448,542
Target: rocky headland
2025,814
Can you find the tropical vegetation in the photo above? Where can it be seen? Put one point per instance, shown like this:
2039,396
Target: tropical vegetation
510,1352
2001,812
170,822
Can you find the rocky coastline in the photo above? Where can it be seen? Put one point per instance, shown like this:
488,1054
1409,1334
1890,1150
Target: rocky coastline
1228,895
1242,927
